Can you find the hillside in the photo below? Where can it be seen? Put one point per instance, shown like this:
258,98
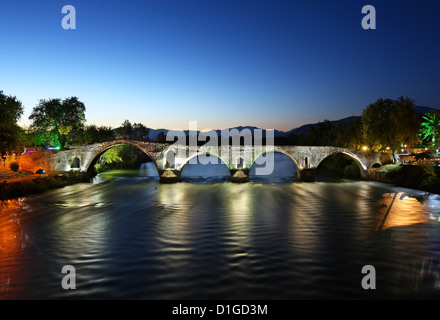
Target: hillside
298,131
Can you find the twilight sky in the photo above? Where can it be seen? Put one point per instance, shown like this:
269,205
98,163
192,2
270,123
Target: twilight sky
269,63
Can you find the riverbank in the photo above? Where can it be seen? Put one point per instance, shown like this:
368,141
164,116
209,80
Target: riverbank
21,184
425,177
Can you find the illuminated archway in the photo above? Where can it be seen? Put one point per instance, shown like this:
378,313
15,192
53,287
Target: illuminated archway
75,164
90,167
342,166
199,166
284,166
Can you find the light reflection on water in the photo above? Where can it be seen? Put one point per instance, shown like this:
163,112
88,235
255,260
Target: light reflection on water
130,237
13,241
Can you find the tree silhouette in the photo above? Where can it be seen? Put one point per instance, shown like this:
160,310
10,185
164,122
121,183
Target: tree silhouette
161,137
140,132
11,111
390,123
125,131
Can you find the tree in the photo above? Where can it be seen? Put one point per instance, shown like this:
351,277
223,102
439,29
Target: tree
161,137
140,132
406,122
125,131
92,134
430,128
105,133
11,111
375,124
58,119
328,134
351,135
390,123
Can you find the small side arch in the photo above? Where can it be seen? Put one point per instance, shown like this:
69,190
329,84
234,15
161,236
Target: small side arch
75,164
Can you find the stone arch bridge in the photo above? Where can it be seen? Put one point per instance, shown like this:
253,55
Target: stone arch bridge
171,159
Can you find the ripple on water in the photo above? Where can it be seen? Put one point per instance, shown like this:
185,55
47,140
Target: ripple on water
204,238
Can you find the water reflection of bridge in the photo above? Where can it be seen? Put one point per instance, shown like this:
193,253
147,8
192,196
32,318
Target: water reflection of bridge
170,159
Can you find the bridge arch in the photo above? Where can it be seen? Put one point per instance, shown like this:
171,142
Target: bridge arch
220,163
363,167
90,160
75,163
204,154
280,151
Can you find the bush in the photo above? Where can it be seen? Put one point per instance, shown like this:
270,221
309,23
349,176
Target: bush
14,166
352,171
38,185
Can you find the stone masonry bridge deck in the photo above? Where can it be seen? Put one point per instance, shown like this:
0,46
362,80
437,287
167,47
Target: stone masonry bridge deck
171,159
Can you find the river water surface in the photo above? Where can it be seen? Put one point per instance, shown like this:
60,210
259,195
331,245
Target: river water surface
130,237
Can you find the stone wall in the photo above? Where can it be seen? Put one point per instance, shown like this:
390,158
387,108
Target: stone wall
31,162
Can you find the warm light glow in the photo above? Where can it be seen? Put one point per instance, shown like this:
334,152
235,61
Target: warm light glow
398,209
388,148
13,242
405,145
364,148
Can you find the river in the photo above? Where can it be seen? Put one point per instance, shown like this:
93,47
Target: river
130,237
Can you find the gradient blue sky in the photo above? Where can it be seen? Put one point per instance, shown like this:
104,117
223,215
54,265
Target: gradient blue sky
272,64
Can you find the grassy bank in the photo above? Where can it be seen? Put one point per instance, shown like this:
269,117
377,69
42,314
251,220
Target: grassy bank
426,177
10,190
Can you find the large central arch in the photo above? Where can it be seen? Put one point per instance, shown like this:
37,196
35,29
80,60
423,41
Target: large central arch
91,160
362,167
356,159
203,173
275,151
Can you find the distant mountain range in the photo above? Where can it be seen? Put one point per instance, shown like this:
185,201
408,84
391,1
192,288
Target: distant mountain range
298,131
155,132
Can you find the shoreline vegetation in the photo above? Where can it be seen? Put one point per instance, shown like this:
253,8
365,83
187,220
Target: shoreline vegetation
420,177
32,184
